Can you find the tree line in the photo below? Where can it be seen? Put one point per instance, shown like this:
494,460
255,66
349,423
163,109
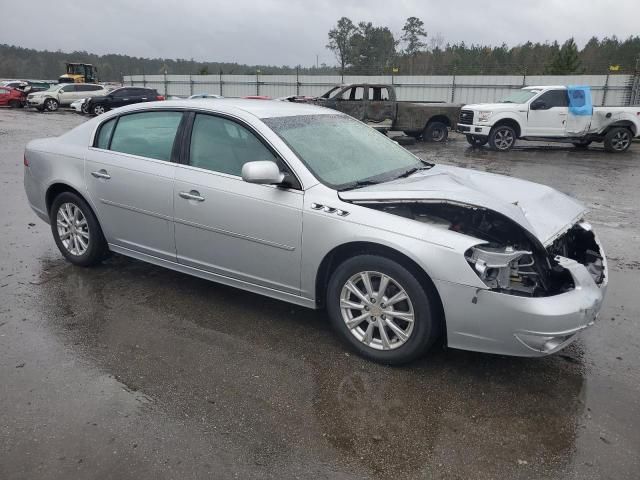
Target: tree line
362,48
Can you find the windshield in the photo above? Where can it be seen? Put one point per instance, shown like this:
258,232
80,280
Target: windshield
342,152
521,96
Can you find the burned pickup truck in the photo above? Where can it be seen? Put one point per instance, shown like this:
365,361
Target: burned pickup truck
377,105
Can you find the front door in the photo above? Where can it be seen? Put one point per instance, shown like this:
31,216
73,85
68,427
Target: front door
229,227
129,177
548,114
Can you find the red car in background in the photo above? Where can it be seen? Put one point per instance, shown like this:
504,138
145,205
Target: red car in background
11,97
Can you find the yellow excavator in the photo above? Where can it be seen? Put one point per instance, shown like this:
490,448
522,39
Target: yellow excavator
79,73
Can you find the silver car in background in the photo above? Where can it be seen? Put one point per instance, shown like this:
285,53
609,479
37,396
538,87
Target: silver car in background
307,205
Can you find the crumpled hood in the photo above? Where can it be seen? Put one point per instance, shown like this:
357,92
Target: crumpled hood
543,211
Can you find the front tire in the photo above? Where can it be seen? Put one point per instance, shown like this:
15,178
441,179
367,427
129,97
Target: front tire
382,310
618,140
502,138
76,230
51,104
435,132
15,104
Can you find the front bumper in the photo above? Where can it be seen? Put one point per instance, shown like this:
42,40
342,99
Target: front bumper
487,321
35,101
479,130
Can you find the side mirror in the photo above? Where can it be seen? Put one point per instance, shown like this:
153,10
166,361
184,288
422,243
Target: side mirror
538,105
263,172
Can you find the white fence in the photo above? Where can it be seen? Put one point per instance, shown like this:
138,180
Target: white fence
606,89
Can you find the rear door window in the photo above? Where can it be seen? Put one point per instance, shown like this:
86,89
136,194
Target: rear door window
147,134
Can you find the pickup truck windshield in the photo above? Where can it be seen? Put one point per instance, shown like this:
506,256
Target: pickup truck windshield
521,96
342,152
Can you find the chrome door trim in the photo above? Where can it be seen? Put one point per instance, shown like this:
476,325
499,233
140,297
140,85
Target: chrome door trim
235,235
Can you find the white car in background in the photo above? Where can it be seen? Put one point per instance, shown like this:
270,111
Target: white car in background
64,95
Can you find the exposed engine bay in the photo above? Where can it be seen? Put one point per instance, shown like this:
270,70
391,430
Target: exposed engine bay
512,260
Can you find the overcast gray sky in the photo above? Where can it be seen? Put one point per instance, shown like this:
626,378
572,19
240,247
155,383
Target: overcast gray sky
292,32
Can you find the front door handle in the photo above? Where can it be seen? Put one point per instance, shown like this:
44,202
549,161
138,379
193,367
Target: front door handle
192,195
102,173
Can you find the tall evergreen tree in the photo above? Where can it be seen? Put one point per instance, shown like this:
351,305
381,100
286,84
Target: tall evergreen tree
566,60
413,34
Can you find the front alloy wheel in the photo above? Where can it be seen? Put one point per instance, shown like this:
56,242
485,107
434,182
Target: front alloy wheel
382,309
377,310
502,138
51,104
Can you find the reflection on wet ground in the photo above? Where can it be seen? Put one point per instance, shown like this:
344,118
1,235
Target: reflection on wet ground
132,371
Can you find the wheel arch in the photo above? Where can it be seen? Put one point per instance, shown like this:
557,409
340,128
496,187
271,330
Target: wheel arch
342,252
439,118
511,123
622,123
57,188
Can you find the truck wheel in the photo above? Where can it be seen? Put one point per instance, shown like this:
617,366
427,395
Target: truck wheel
502,138
435,132
51,104
582,145
476,140
617,140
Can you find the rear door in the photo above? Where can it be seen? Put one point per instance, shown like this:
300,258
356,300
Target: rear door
129,175
548,114
350,100
379,106
229,227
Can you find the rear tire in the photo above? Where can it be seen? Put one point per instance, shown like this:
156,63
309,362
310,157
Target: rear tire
98,109
476,141
435,132
392,339
76,230
502,138
618,140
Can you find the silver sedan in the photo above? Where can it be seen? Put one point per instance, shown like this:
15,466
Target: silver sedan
309,206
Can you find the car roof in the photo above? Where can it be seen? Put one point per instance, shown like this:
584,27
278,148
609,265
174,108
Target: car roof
543,87
257,108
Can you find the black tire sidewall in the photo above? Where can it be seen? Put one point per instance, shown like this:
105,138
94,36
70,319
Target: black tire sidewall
492,137
428,132
97,244
426,327
609,137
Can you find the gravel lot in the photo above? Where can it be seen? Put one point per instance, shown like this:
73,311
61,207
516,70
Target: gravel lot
130,371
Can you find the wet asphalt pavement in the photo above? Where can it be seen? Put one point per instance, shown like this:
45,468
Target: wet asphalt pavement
130,371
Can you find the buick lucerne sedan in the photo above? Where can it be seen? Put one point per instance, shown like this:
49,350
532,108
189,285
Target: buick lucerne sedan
310,206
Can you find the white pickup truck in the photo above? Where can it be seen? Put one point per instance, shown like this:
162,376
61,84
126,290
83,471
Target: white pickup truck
556,113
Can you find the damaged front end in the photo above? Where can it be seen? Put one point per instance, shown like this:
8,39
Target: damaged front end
511,260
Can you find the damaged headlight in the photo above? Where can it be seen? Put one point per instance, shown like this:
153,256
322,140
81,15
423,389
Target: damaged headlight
504,268
484,116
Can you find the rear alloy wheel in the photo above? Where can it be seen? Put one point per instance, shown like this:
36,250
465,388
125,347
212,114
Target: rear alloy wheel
502,138
477,141
51,104
98,109
435,132
618,140
76,230
381,309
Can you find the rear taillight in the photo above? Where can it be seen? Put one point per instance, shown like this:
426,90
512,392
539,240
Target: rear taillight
159,97
24,159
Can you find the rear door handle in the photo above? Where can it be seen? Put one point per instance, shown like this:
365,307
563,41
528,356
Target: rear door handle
192,195
102,173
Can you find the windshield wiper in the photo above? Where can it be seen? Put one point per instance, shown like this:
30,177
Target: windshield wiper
358,184
413,170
